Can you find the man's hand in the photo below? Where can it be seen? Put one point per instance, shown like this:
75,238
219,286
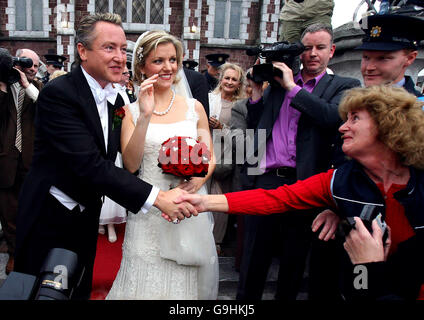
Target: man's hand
287,81
363,247
23,81
165,202
330,221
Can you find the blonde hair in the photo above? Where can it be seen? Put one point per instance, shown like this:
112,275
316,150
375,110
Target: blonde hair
240,93
398,116
149,41
56,74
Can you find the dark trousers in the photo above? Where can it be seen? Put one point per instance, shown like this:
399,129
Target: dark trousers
287,236
9,207
58,227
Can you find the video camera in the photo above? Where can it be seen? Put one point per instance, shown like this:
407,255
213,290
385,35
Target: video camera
58,278
7,73
280,51
368,214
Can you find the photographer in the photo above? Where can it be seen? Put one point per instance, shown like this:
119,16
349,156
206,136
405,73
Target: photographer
17,109
299,114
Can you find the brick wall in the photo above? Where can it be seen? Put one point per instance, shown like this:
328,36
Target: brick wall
3,18
238,56
39,47
177,17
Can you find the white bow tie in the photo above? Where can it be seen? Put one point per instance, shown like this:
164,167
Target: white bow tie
109,93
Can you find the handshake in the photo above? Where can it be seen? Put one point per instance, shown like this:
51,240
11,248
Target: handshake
177,204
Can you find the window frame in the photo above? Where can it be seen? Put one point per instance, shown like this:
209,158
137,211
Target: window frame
132,26
11,25
244,21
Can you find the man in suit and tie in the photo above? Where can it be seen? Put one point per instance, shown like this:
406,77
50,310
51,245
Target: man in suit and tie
17,109
77,138
299,115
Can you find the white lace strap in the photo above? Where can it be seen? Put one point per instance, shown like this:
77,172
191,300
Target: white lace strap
191,111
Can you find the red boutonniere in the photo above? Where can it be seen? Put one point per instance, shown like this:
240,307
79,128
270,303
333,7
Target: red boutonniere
118,115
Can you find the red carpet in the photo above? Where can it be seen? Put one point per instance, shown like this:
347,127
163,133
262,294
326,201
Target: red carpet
106,265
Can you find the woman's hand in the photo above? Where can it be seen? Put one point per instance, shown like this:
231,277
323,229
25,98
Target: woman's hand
214,123
193,185
363,247
146,99
330,221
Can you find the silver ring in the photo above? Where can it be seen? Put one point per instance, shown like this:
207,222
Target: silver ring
176,221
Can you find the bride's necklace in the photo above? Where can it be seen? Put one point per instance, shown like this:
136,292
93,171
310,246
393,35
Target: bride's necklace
161,113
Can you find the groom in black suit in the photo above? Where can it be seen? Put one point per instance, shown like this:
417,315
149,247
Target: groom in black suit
77,138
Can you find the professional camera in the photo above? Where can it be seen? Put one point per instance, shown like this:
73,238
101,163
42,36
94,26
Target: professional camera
57,280
368,214
7,73
280,51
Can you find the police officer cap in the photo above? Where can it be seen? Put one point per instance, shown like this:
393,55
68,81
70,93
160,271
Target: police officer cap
190,64
55,60
391,32
217,59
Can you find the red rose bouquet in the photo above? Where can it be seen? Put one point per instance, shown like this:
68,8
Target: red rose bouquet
184,157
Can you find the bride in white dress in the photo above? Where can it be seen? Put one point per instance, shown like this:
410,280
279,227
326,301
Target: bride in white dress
161,260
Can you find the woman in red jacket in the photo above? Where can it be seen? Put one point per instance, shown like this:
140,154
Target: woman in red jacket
383,134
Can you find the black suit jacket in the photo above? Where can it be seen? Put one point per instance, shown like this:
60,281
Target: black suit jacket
70,154
317,142
199,87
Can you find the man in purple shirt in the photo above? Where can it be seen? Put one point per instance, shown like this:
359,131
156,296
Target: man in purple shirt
299,114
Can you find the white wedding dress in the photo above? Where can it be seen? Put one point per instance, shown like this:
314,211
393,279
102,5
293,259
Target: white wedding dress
161,260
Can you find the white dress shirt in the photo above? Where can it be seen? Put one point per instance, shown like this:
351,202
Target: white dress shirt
101,96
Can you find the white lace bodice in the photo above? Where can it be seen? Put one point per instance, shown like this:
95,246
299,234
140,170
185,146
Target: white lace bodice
156,134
